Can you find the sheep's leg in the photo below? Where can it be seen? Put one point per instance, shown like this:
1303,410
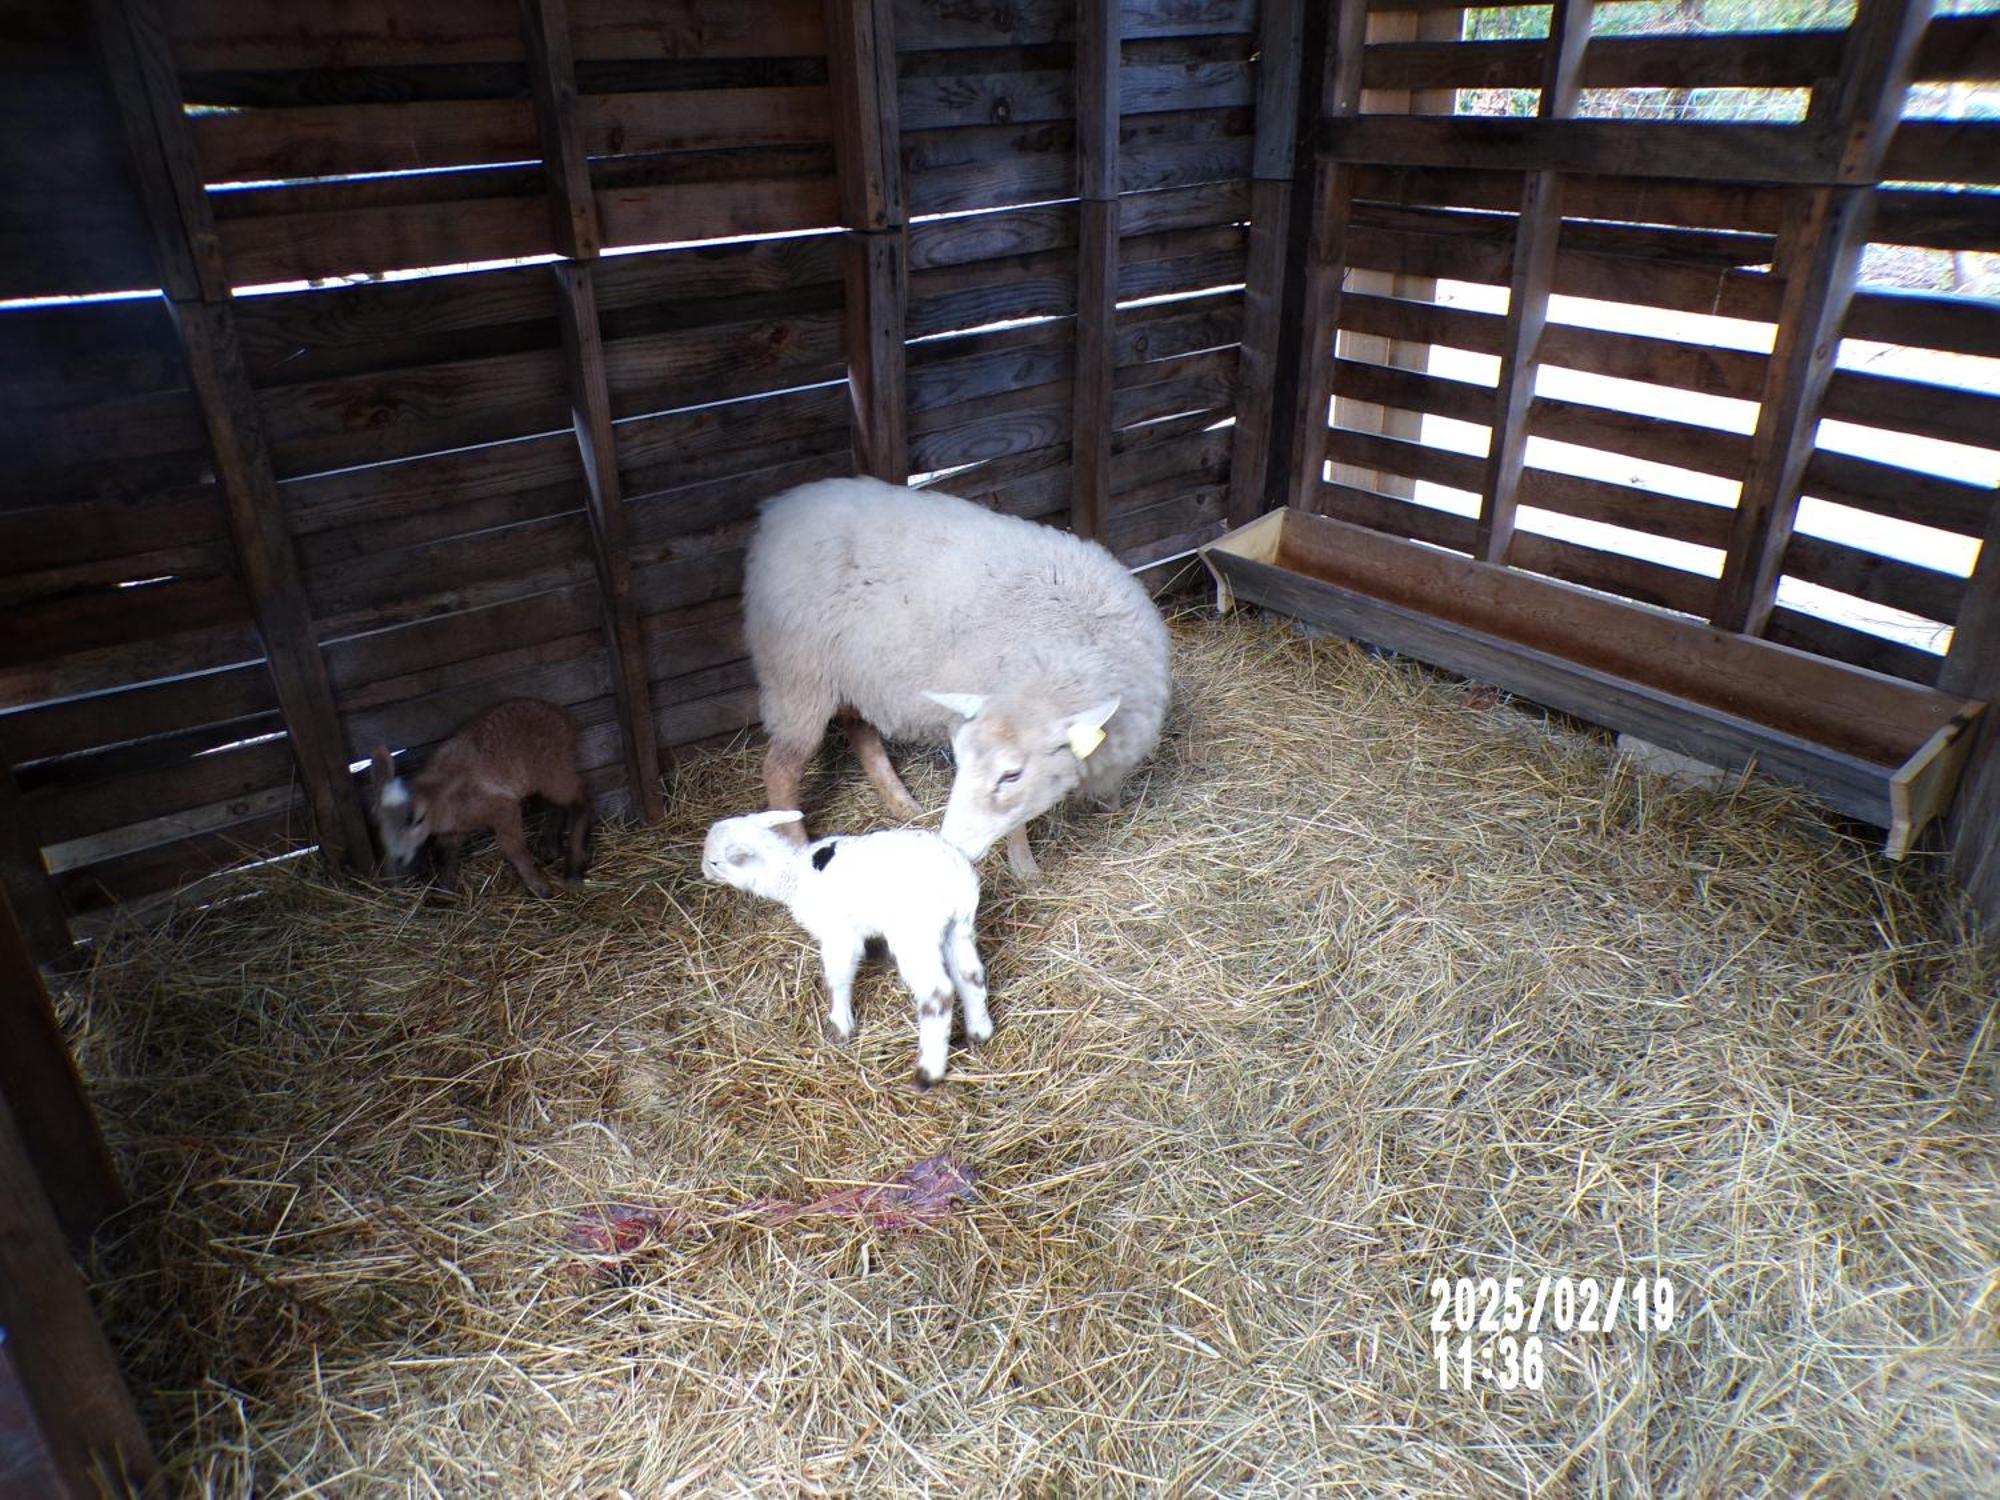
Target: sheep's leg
968,977
576,821
874,757
1021,859
784,771
923,970
448,850
840,956
513,840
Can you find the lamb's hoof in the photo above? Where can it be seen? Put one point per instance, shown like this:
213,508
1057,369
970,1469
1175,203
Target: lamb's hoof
978,1038
925,1083
834,1034
540,889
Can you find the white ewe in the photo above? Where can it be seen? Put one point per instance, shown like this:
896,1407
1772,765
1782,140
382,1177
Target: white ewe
923,617
906,886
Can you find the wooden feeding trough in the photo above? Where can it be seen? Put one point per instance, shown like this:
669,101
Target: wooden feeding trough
1886,751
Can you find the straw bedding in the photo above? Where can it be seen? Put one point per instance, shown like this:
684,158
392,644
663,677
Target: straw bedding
1374,979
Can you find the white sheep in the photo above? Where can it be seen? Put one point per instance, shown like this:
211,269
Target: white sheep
906,886
923,617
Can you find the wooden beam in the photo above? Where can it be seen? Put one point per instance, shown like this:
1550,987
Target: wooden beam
1535,234
878,291
57,1352
1325,259
1820,261
861,77
146,92
552,76
24,877
552,69
1097,63
1279,42
1972,669
38,1082
604,495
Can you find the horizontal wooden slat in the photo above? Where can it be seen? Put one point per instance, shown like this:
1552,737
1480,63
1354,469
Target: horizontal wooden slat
1881,580
1706,450
325,140
1944,151
1795,628
218,779
127,878
1735,152
1953,414
1961,325
1370,450
1905,494
218,34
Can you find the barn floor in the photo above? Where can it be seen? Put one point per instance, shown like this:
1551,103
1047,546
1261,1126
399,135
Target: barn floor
1374,980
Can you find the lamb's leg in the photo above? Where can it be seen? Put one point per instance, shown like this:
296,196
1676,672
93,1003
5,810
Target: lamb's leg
784,770
1020,859
840,957
513,841
923,970
874,758
448,850
577,825
968,977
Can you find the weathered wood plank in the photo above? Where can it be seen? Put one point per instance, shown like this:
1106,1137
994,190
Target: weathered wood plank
1643,148
583,351
1325,256
1098,164
861,74
1532,276
58,1354
1819,264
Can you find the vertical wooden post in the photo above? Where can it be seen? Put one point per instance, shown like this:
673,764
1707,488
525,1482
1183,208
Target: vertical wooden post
38,1083
1856,114
146,91
573,209
1280,42
1972,670
1326,260
1535,234
861,76
24,876
1097,64
57,1352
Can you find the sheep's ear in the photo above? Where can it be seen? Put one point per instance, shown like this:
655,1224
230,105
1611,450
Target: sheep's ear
777,818
1085,731
965,705
381,770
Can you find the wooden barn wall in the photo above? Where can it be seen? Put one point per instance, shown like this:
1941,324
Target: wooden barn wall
328,466
1663,223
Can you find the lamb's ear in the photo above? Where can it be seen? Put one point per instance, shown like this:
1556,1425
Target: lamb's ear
381,770
1085,731
965,705
777,818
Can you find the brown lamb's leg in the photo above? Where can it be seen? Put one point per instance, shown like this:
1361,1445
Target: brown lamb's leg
577,821
784,770
513,841
874,758
448,849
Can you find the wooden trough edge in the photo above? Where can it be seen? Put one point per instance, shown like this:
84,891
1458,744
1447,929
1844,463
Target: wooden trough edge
1271,562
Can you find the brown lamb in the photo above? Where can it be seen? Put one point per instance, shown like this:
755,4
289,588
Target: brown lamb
478,779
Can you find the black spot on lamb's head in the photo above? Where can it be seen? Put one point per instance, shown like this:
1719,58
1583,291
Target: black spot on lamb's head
823,856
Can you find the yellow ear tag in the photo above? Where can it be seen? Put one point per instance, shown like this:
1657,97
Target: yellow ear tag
1084,738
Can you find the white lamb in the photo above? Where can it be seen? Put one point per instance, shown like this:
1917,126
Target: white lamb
923,617
906,886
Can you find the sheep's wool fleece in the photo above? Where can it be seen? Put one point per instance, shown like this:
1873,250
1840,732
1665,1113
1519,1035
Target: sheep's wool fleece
866,594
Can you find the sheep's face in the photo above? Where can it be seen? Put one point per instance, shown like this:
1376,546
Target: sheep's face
749,852
401,814
1015,761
